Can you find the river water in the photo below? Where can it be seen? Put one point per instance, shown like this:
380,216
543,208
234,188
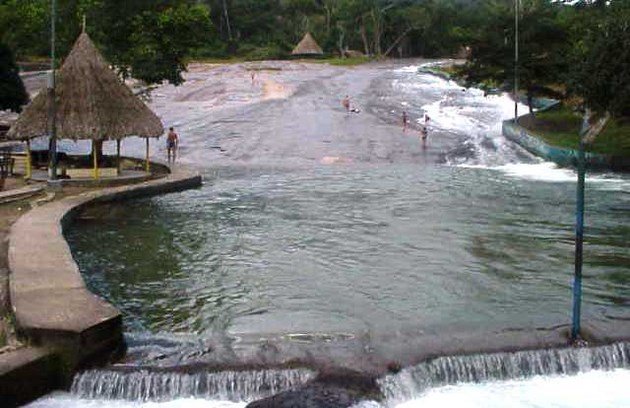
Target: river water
317,227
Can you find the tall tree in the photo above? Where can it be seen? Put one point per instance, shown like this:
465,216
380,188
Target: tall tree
12,92
542,45
601,67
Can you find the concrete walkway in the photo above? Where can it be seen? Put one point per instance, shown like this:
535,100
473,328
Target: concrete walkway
52,306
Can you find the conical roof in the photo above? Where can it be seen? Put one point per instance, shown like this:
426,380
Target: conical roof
92,103
308,46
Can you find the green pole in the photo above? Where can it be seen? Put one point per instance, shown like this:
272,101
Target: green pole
52,107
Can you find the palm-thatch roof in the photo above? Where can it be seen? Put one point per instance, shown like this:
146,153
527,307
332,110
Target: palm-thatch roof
92,103
308,46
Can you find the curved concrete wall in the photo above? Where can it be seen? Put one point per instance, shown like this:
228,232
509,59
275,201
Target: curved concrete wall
562,157
50,301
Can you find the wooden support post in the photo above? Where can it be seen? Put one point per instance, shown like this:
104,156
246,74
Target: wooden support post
118,171
95,159
29,164
147,164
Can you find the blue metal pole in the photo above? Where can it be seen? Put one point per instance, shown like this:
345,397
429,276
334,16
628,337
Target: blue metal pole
579,240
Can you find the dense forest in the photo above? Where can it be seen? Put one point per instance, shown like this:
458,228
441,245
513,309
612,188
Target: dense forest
580,47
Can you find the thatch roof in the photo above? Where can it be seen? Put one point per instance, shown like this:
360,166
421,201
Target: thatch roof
308,46
92,103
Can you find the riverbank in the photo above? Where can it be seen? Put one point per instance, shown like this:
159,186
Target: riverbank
560,127
554,136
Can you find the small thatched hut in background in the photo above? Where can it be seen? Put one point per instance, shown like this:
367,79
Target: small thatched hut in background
308,47
91,103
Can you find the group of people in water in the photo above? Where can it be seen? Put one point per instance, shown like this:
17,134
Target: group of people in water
172,139
424,129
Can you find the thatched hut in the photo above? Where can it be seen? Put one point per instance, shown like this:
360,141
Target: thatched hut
307,47
91,103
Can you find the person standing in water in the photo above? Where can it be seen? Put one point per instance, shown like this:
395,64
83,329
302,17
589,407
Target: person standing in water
346,103
424,133
405,121
172,143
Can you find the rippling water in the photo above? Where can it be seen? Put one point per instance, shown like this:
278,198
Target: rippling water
313,223
355,248
468,231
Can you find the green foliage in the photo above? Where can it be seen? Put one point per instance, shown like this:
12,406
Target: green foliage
561,127
152,39
161,41
601,73
24,26
12,92
269,52
542,47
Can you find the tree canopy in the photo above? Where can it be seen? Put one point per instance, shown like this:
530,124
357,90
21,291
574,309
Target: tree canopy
566,47
12,92
601,61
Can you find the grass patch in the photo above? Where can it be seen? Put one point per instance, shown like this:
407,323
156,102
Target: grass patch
217,60
560,127
336,61
343,62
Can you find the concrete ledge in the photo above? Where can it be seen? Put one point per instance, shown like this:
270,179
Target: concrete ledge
51,303
19,194
560,156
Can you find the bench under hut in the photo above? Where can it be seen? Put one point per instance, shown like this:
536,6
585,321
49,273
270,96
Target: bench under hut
91,103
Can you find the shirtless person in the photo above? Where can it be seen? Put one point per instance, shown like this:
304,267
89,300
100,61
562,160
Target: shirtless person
346,103
172,142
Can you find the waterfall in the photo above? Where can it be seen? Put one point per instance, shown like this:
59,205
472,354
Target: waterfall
412,381
145,385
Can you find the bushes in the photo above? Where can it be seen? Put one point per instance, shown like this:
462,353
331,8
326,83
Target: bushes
12,92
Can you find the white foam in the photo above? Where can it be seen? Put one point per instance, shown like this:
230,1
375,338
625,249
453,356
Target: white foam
64,400
551,173
408,69
595,389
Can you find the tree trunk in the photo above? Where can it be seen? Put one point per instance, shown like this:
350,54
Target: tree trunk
342,51
226,16
98,149
377,31
366,45
327,19
593,126
530,101
400,37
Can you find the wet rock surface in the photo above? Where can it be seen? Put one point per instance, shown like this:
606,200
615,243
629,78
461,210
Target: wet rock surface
339,389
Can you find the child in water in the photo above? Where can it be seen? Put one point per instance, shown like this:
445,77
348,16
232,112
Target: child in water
405,121
424,133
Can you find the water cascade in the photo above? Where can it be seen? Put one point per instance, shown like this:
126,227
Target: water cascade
144,385
412,381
